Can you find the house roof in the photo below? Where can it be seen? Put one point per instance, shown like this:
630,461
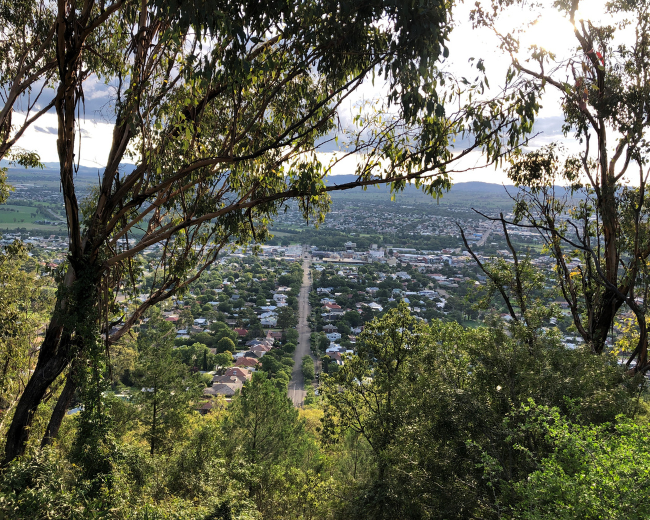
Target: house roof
246,362
206,407
221,389
240,373
224,379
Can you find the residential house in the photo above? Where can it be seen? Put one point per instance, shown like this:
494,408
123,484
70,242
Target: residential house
240,373
269,322
241,332
335,356
260,349
247,362
225,389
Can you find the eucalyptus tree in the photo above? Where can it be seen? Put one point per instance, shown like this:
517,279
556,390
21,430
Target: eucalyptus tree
600,218
28,68
167,387
221,106
24,299
438,403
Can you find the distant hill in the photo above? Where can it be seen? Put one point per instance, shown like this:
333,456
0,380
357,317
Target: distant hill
48,176
463,193
467,194
461,186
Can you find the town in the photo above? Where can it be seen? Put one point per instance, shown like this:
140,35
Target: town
242,315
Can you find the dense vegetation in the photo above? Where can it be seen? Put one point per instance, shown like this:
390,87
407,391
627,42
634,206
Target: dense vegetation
424,421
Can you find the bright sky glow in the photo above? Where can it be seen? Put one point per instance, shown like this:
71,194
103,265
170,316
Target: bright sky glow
551,31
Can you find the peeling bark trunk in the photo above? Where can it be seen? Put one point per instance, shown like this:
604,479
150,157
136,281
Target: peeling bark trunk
58,413
54,358
603,320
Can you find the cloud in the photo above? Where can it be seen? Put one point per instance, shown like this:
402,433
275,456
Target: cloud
549,127
49,130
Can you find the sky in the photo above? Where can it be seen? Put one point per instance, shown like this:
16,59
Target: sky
551,31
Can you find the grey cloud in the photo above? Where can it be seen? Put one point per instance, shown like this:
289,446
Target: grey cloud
47,130
549,126
97,105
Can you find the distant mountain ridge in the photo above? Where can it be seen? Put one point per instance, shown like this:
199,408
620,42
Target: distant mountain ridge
477,186
90,175
52,168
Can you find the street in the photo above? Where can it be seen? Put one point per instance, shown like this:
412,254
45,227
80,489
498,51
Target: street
297,383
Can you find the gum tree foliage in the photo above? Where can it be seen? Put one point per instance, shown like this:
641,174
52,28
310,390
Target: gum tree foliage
589,471
264,433
604,90
220,105
225,344
307,368
287,318
519,283
28,68
23,301
435,402
166,386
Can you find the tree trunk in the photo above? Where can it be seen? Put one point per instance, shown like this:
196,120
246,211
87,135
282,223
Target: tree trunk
153,428
603,320
53,359
59,410
54,356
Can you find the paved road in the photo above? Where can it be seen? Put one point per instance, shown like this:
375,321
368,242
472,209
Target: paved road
485,236
297,383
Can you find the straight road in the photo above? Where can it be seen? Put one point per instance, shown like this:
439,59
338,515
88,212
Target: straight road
297,383
485,236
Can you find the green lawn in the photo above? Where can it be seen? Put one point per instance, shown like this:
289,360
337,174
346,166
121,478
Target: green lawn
17,214
13,217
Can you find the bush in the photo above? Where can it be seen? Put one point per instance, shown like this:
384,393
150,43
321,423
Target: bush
593,471
225,344
289,348
307,366
290,336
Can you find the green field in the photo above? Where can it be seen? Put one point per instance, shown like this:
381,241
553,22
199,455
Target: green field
15,216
